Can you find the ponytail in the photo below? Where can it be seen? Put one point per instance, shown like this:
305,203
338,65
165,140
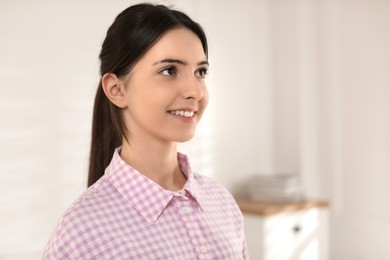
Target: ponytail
105,137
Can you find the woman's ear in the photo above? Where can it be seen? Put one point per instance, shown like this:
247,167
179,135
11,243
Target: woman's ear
113,87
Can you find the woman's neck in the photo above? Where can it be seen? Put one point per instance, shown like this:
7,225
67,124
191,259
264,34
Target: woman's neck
156,160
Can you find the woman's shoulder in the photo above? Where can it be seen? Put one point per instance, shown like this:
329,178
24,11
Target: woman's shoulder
81,221
217,198
213,188
88,199
207,182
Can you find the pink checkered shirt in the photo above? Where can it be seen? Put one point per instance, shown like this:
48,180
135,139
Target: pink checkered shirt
125,215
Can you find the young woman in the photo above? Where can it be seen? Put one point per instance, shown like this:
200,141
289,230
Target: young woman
143,200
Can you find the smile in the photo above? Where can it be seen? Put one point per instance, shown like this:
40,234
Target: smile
183,113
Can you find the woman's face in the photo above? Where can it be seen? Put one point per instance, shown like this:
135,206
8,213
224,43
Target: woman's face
165,92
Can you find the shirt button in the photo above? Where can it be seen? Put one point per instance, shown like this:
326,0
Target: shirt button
186,210
203,249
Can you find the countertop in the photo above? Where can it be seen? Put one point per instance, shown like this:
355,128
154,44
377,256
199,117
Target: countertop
262,208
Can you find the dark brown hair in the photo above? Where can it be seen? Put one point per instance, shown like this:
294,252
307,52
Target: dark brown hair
134,31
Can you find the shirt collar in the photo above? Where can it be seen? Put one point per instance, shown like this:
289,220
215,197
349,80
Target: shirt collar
191,186
146,196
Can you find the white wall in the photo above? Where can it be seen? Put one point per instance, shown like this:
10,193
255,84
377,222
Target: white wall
359,185
48,78
332,94
296,86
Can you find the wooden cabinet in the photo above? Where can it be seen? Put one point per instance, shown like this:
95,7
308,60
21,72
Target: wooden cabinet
286,230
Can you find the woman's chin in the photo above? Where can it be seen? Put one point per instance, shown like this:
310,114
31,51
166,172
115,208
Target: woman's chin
184,138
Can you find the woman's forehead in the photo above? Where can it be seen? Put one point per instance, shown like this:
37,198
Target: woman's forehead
179,44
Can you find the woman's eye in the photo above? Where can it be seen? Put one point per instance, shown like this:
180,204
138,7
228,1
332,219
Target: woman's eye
170,71
201,73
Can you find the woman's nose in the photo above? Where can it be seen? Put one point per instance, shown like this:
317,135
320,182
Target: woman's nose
192,88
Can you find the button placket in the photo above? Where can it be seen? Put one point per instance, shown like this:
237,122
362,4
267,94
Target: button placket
188,210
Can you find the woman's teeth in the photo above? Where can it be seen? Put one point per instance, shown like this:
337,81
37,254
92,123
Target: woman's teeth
183,113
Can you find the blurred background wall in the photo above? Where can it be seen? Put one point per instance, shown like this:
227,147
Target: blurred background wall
297,86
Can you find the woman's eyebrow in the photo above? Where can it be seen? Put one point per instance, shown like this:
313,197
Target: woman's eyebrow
205,62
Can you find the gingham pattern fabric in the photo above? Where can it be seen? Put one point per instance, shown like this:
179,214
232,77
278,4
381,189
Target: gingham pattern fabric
125,215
